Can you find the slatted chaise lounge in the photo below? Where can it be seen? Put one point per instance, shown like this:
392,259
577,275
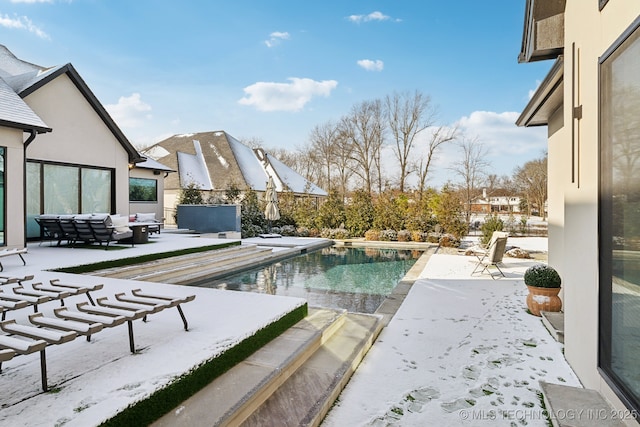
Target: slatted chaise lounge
85,320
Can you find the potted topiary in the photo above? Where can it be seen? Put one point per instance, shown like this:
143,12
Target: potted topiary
543,283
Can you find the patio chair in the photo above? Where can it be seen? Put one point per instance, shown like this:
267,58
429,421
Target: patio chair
50,228
68,228
104,230
492,255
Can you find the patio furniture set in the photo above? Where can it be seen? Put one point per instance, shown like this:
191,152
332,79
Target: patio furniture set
100,228
66,324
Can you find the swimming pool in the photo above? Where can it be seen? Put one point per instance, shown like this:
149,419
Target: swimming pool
355,279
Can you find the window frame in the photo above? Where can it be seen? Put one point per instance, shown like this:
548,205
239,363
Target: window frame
605,232
155,181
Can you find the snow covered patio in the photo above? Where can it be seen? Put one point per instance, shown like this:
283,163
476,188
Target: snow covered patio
461,350
456,341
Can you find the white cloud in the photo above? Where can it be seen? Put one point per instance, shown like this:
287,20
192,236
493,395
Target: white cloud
276,37
292,96
370,65
500,134
130,111
22,23
373,16
31,1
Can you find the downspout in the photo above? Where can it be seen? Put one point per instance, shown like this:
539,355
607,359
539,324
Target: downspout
32,136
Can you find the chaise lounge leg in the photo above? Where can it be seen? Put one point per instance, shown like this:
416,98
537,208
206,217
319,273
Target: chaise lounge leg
184,319
43,370
132,346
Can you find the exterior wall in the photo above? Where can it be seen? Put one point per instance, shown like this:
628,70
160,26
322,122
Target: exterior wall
573,241
79,135
149,207
13,140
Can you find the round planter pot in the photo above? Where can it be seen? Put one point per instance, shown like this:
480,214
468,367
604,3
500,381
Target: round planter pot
543,299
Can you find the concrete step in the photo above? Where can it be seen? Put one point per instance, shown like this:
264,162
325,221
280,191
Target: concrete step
305,398
574,406
293,380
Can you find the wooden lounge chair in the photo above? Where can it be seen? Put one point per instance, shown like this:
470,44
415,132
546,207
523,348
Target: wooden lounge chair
493,254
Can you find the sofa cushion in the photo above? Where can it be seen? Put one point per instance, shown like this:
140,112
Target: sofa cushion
120,223
146,217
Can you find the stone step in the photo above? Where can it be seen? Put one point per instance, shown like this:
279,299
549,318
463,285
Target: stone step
236,394
307,395
574,406
126,272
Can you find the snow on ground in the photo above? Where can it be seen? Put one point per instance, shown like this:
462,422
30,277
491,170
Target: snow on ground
461,350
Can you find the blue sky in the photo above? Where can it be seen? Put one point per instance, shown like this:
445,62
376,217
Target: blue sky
272,70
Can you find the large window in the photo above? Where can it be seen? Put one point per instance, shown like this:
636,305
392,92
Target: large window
620,217
143,190
66,189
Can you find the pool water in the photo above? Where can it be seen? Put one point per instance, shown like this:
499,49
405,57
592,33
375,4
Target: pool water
355,279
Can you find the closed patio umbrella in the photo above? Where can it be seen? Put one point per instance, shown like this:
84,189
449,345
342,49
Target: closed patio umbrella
271,211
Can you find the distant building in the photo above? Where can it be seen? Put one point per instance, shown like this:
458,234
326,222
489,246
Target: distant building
215,161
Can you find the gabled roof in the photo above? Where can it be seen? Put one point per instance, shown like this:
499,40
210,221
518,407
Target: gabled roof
15,113
25,78
216,161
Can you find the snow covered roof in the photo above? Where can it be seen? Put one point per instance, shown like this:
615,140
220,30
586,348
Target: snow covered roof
153,165
216,160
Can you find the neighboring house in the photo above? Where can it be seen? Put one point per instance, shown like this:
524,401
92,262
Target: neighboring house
215,161
499,201
82,166
590,103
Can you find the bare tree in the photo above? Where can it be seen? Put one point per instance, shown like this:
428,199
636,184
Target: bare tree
472,170
440,136
363,129
342,161
531,180
324,139
407,115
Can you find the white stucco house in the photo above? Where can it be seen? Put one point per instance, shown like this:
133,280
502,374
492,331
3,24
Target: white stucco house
62,152
590,103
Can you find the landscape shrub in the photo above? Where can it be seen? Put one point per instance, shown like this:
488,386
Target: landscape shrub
449,241
419,236
491,223
372,235
334,233
359,213
404,236
288,230
388,235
